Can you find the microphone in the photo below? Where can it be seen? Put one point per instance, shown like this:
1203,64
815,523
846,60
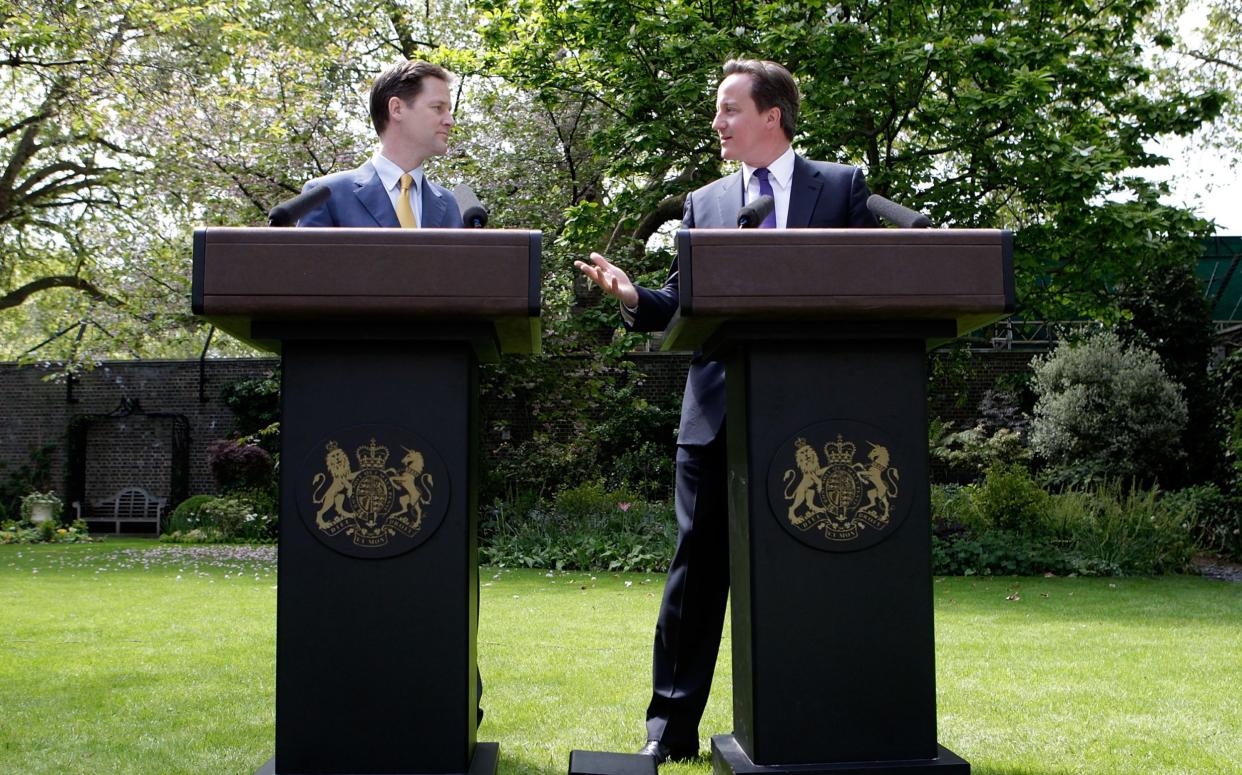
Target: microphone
288,212
473,214
751,215
901,217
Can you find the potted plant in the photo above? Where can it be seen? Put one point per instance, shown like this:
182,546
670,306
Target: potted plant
41,506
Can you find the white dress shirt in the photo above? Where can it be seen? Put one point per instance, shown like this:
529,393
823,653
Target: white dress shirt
390,175
780,175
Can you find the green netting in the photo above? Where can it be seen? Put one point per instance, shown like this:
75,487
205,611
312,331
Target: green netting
1220,269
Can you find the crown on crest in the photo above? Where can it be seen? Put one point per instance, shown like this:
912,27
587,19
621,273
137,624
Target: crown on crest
373,455
331,446
839,451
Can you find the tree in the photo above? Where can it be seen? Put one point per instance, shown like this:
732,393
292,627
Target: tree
1106,411
1168,314
1200,47
1030,118
132,124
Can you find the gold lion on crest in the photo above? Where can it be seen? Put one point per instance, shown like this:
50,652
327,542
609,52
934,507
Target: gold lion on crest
340,488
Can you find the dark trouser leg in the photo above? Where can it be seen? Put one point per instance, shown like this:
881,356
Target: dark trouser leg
688,631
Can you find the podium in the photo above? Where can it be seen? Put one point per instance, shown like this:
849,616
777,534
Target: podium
380,332
824,333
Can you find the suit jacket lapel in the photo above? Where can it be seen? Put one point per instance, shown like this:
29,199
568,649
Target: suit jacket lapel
727,203
434,206
370,191
804,192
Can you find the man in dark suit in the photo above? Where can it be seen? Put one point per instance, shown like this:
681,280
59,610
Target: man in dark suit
756,115
412,112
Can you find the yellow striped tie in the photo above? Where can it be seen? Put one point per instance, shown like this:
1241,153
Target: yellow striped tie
405,214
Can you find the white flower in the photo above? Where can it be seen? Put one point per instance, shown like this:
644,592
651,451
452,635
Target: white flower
976,39
928,47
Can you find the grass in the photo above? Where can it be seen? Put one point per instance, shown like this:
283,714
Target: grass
127,657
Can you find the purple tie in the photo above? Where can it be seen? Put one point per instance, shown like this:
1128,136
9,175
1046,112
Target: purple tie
765,189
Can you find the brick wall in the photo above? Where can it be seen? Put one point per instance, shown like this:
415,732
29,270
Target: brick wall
134,447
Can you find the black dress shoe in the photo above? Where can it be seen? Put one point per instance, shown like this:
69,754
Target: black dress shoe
662,753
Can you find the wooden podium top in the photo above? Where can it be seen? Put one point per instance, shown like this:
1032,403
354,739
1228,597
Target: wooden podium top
264,285
958,276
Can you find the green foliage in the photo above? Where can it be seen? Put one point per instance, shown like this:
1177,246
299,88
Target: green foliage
206,519
186,515
1105,410
1111,530
49,498
49,531
1198,51
583,528
1224,532
33,474
950,371
998,553
256,405
1009,499
1215,518
591,424
1000,436
1169,315
974,450
1007,525
983,116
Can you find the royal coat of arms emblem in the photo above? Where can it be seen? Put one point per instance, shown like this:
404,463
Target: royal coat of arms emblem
377,508
834,495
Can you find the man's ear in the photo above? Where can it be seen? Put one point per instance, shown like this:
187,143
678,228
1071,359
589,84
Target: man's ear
772,118
395,106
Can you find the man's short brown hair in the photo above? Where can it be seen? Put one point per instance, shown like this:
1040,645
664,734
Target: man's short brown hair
404,80
771,86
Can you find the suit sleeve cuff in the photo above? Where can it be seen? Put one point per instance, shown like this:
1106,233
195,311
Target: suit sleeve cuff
628,313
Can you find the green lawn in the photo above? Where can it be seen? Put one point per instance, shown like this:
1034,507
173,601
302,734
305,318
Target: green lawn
129,657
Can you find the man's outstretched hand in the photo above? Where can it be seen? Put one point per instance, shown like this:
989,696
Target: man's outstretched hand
614,282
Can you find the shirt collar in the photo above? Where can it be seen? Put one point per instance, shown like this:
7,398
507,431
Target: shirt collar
390,174
779,171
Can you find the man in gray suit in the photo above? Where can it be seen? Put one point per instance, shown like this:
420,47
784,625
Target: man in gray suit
412,112
756,115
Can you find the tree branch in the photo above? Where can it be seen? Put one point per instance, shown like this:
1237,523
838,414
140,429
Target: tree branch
16,296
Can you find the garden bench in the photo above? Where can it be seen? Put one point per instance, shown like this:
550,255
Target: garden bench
131,504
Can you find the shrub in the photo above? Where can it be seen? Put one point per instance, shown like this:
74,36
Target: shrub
1213,518
583,528
187,515
1105,411
207,519
1111,530
48,531
31,475
997,552
1169,314
975,450
1104,530
207,535
256,405
237,464
1009,499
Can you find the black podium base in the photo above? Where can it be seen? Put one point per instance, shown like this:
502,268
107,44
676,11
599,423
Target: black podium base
728,757
483,763
604,763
